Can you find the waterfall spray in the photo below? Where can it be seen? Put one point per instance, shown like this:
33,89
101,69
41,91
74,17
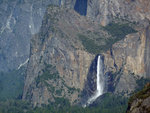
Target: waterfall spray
99,82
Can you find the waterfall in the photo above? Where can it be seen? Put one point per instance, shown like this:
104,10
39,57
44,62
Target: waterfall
99,82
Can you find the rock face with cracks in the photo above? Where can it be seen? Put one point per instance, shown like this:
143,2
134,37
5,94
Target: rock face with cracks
104,10
129,57
62,55
20,19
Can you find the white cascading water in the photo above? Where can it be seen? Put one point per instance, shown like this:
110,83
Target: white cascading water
99,83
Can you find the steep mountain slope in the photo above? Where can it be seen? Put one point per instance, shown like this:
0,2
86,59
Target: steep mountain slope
64,50
63,54
20,19
104,11
139,102
129,58
58,47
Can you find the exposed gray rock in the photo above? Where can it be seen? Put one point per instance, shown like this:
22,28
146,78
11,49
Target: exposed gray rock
58,44
20,19
104,11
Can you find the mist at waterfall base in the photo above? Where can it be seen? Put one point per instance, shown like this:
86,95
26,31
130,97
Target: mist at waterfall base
99,82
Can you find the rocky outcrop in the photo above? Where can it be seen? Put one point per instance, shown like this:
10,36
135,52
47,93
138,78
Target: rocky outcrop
139,102
20,19
58,45
68,44
104,10
62,54
128,57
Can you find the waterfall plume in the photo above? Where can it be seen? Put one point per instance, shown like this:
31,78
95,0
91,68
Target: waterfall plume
99,82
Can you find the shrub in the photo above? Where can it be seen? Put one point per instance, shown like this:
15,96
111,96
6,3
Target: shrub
49,72
119,30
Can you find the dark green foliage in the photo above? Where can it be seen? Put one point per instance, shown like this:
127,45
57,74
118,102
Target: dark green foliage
144,93
11,84
90,44
49,72
141,83
58,92
109,103
119,30
70,89
14,106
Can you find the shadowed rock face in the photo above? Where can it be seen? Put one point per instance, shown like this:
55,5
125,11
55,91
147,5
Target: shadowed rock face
20,19
81,7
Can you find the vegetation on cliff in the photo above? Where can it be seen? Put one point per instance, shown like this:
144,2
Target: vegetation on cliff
49,72
116,31
143,94
109,104
119,30
139,102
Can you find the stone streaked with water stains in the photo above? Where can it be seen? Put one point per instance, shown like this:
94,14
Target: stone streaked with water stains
129,55
59,46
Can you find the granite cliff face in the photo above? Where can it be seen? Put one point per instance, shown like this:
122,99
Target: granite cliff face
129,58
58,45
63,53
20,19
104,11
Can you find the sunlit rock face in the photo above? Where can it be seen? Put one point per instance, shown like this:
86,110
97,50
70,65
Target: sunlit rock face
130,59
56,42
64,51
104,10
58,45
20,19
